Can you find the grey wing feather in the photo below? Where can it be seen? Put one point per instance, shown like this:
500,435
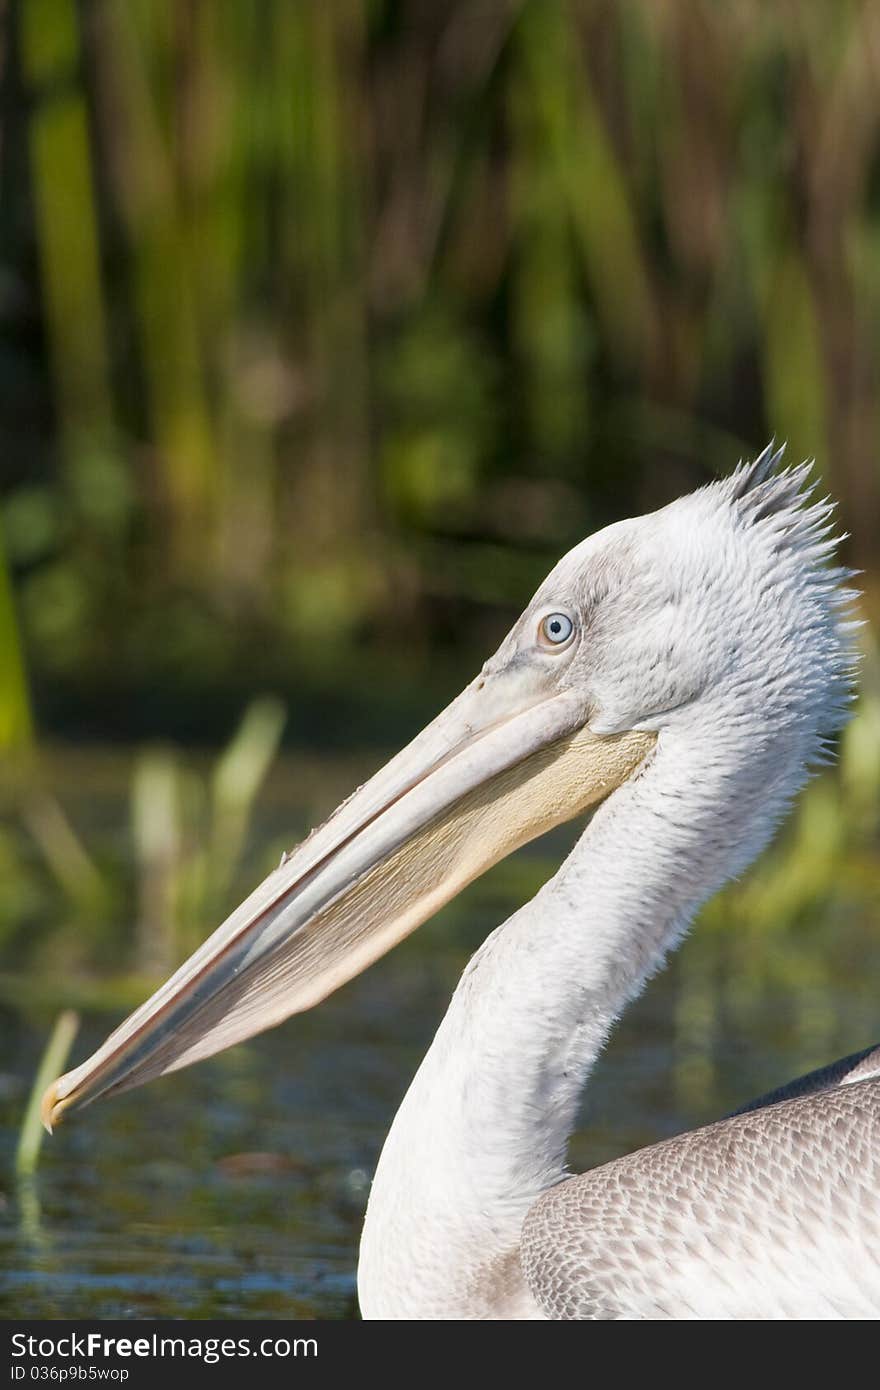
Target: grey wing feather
771,1213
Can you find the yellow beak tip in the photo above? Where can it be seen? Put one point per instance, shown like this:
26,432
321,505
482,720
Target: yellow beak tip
51,1107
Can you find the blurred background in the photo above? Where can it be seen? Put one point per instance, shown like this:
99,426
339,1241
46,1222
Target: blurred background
324,330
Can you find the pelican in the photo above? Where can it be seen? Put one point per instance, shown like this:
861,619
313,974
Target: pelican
676,676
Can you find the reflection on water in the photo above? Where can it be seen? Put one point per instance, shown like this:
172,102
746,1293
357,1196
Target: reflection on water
237,1188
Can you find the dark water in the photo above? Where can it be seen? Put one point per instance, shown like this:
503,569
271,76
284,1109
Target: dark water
237,1188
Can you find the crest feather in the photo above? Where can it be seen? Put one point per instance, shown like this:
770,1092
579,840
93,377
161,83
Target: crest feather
779,503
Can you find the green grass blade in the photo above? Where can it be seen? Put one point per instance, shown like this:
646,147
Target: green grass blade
238,776
51,1065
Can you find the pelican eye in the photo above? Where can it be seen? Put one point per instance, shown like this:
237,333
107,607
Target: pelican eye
555,629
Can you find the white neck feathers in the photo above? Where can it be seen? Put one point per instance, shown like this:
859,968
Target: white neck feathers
484,1127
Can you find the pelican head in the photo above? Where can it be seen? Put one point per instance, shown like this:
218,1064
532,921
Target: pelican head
713,618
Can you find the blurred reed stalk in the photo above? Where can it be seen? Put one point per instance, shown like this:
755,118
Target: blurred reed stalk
189,834
16,720
66,220
52,1064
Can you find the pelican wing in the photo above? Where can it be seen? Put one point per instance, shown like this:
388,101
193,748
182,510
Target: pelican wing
772,1213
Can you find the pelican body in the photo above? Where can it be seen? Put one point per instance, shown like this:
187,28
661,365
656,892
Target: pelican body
676,676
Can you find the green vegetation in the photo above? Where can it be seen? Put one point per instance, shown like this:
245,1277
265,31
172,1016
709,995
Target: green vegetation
51,1066
329,326
171,877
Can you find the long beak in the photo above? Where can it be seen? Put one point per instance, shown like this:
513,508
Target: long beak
497,768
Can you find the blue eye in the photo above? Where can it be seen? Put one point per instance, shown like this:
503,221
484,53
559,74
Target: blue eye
556,628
